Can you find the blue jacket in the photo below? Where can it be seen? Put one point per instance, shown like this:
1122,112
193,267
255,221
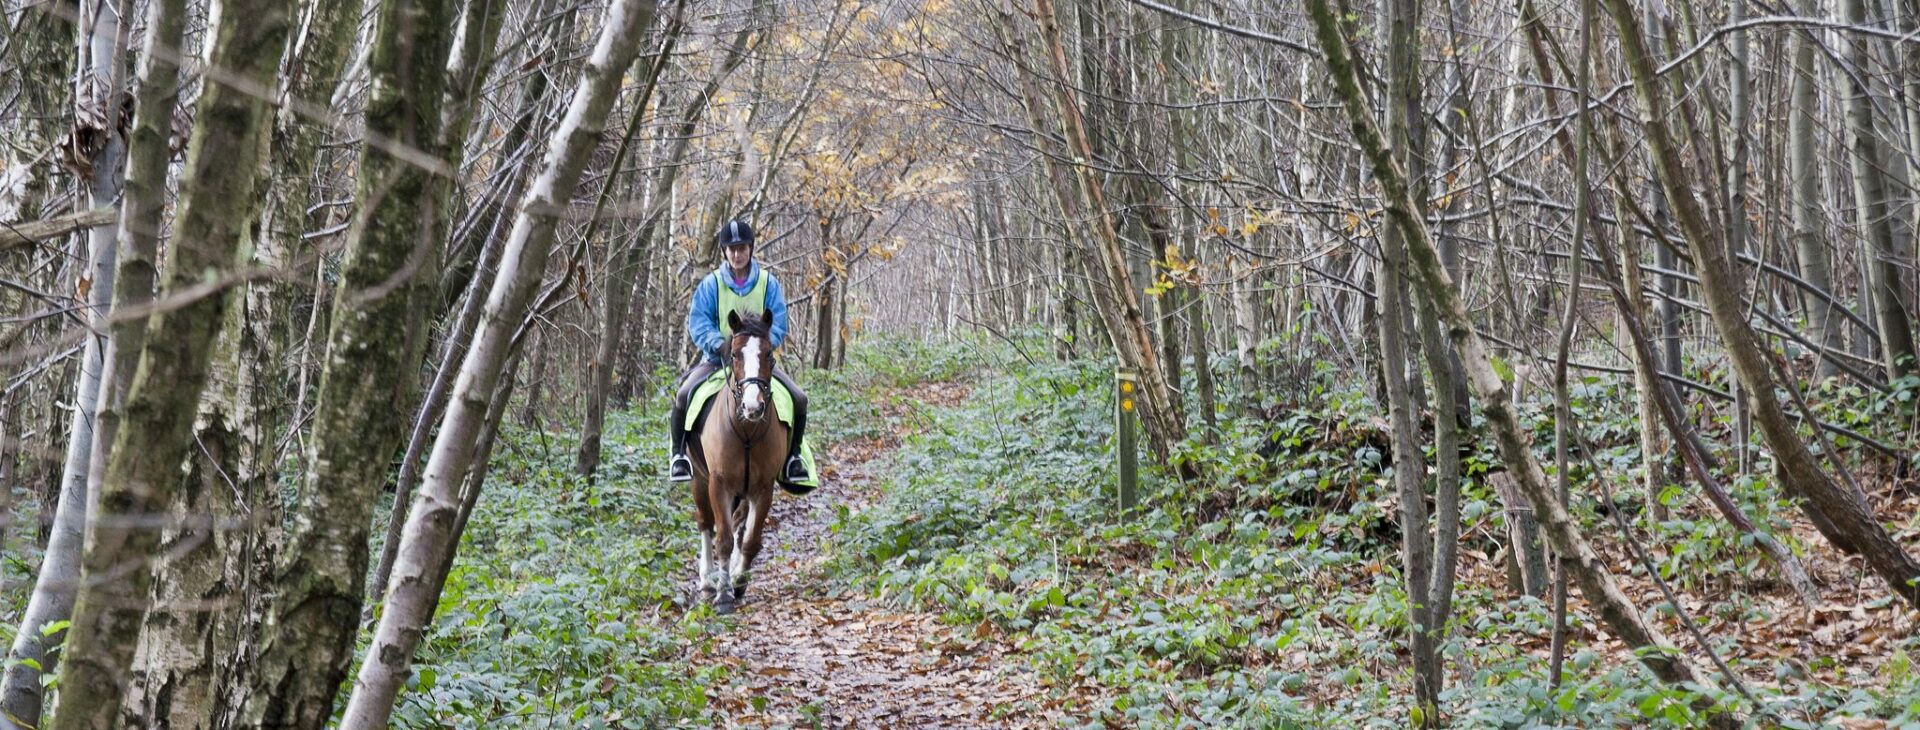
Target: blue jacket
703,317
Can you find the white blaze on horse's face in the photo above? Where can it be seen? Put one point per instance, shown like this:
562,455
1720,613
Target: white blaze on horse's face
753,397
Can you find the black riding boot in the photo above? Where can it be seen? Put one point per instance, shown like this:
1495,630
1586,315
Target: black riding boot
679,468
796,470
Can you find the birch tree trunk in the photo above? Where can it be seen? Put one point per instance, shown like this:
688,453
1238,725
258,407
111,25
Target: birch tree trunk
373,352
142,477
224,527
467,67
1246,326
414,589
57,583
324,45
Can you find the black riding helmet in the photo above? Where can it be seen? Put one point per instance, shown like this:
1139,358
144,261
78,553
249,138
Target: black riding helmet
735,233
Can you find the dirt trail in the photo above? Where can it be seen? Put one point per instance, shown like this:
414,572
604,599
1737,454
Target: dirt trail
803,657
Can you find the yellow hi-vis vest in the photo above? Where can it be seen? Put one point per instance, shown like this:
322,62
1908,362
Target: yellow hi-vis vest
751,304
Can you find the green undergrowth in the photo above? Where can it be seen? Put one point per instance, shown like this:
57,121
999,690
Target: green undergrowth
1268,593
561,609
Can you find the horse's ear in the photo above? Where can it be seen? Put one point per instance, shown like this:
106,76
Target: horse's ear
766,316
733,320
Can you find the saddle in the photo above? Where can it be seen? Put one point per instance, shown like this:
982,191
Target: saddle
703,399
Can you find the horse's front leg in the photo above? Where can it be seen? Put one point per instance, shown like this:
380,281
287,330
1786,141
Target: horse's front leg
723,545
705,566
753,529
703,519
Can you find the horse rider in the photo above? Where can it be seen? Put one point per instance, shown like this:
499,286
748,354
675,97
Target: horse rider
741,285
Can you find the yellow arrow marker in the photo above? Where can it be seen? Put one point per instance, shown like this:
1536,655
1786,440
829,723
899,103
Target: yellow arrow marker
1126,404
1126,386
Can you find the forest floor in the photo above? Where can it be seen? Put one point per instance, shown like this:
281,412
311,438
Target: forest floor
803,653
963,566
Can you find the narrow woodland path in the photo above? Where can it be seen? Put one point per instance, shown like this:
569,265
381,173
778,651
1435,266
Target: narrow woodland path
803,655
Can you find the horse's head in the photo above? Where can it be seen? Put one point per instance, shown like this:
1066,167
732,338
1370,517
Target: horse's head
750,356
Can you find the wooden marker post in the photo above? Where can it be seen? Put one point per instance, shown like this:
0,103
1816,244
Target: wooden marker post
1125,448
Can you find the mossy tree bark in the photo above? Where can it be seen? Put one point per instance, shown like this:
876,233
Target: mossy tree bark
55,585
479,37
377,343
224,528
143,473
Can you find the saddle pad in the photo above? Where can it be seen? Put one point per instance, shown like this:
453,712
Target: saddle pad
702,399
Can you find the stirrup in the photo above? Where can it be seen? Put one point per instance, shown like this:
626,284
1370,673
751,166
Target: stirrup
680,469
796,470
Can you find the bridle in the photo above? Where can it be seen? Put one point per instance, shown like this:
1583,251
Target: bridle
738,388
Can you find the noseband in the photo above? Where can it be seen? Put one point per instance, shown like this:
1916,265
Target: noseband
740,389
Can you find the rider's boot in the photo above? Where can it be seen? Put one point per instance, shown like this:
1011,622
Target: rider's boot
679,467
796,471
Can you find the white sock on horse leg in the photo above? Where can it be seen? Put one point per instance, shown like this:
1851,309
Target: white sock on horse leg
739,566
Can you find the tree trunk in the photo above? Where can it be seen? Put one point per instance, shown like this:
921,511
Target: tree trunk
467,70
414,589
452,351
55,586
1409,474
530,411
190,633
1909,70
624,269
1656,454
375,348
1596,581
142,477
1803,174
1246,324
842,330
1846,519
823,325
324,45
1117,297
1872,191
465,253
1403,120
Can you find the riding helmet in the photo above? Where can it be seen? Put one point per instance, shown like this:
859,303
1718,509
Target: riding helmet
735,233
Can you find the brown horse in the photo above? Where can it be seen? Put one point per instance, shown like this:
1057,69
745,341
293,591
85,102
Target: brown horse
739,452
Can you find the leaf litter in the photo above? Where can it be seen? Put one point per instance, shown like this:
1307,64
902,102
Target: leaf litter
801,653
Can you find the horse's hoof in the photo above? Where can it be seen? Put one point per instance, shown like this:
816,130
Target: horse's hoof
724,606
